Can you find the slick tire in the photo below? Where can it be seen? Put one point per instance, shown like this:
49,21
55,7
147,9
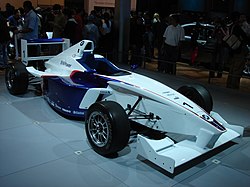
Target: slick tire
107,127
198,94
16,78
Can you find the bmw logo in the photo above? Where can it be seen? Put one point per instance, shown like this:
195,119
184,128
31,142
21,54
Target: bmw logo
82,42
206,117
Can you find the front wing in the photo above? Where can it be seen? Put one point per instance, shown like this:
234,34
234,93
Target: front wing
169,155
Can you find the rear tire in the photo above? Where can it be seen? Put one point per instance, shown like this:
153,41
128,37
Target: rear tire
107,127
198,94
16,78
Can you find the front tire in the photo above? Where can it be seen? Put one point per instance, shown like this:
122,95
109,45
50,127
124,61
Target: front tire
16,78
107,127
198,94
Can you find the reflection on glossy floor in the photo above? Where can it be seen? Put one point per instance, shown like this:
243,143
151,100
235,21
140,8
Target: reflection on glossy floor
38,147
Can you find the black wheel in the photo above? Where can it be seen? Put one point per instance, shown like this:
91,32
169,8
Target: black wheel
198,94
107,127
16,78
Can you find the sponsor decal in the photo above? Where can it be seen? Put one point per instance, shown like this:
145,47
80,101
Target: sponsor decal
57,106
77,112
66,110
105,92
52,103
64,63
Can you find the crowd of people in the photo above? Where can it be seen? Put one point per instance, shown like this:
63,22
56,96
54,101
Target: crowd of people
151,36
146,32
237,25
156,37
166,36
28,23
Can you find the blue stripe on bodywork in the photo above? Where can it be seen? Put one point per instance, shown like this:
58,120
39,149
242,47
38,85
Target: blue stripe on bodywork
65,94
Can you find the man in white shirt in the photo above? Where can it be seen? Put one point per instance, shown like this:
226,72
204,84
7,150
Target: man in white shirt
173,35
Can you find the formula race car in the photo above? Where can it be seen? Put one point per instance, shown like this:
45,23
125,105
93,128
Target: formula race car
79,83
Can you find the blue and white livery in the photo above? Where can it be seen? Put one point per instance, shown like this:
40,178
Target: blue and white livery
79,83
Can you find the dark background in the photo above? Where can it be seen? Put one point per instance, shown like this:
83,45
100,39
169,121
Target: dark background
166,7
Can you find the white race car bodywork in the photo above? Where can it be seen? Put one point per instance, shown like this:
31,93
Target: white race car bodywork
170,111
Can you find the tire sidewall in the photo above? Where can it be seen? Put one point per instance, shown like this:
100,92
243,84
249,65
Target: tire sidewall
20,80
118,127
200,95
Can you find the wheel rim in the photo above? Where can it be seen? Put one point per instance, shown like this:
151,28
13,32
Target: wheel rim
98,129
10,78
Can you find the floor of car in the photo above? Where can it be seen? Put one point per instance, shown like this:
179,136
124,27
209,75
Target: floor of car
38,147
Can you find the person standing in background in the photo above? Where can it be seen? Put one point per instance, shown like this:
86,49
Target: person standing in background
70,29
160,42
16,22
137,30
59,21
244,24
156,29
58,25
79,19
237,56
29,30
173,35
91,32
148,41
221,51
5,37
9,9
106,36
30,26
